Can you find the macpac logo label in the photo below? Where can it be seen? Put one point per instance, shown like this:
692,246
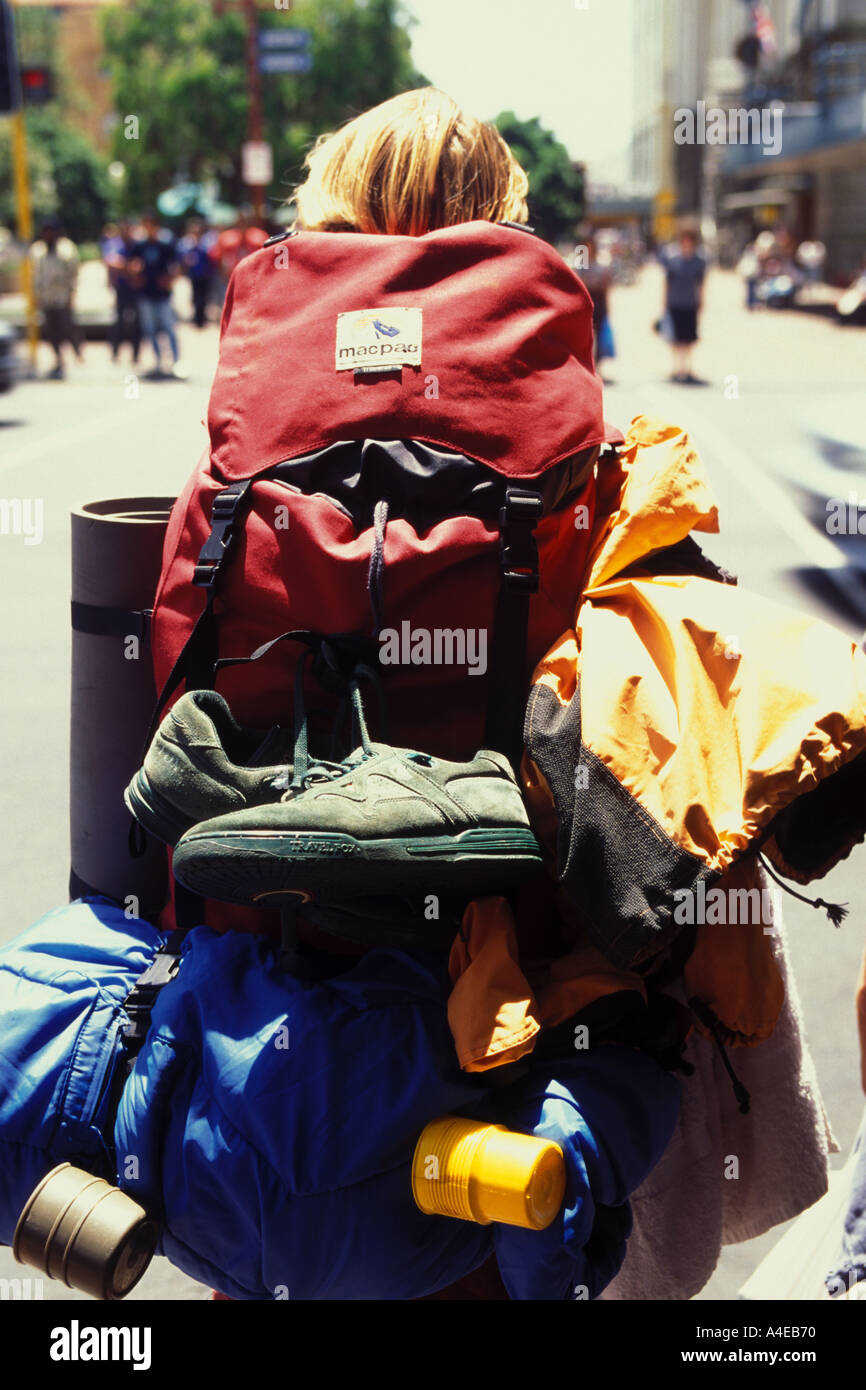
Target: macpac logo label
378,340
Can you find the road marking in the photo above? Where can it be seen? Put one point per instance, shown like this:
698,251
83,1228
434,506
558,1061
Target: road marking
770,495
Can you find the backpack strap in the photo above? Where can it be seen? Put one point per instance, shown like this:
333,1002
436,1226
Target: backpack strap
105,620
138,1006
518,560
197,658
145,992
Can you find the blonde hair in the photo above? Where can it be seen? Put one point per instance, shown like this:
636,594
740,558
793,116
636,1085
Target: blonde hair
415,163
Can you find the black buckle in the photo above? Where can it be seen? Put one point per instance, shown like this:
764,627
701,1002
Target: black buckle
280,236
213,552
518,552
143,995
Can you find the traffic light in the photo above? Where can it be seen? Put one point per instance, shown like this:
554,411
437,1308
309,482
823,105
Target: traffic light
10,83
37,86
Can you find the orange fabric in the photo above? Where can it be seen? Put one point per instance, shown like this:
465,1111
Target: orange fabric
491,1010
577,980
732,967
653,494
714,709
539,806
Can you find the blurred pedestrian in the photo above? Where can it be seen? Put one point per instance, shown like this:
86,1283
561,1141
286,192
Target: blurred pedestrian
108,238
199,268
233,244
597,276
811,256
685,269
153,259
749,268
116,253
55,277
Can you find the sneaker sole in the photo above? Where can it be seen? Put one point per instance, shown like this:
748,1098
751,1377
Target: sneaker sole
153,812
260,867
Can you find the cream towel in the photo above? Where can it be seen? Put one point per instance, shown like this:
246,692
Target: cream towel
688,1209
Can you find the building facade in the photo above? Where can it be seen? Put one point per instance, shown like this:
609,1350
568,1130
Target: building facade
808,75
816,80
677,44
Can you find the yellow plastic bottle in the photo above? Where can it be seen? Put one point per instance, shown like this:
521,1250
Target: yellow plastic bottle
482,1172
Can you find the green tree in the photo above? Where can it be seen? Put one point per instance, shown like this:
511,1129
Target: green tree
556,187
179,71
68,178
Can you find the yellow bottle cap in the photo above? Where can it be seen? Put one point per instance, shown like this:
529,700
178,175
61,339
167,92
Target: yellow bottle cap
482,1172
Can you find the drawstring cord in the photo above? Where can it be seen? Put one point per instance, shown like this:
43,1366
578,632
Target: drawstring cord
837,912
705,1015
376,572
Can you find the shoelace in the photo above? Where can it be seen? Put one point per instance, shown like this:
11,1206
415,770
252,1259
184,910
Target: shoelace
705,1015
306,773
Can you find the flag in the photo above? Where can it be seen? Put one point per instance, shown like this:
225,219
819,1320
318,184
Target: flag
763,28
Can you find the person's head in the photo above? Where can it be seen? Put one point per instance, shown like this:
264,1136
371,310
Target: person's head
50,230
765,244
587,239
688,239
195,228
411,165
150,222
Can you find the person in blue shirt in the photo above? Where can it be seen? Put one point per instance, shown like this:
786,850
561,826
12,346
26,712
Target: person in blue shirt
153,262
684,268
198,266
116,247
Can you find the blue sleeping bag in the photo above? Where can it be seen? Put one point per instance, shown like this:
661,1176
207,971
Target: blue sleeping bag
270,1122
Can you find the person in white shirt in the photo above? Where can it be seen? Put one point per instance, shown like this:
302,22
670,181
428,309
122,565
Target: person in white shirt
55,277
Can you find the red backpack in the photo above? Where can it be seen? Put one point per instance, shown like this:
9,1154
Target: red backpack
403,433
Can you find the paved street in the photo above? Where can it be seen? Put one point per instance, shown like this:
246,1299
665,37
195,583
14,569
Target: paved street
779,426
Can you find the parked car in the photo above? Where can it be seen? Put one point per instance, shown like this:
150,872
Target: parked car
851,306
778,283
10,365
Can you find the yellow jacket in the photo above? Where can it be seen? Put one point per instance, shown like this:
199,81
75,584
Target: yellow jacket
677,728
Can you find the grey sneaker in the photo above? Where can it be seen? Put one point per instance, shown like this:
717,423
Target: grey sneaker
201,763
390,821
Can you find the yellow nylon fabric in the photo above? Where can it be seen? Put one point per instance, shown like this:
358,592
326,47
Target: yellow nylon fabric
713,707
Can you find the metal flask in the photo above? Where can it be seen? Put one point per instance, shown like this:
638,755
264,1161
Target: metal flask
90,1236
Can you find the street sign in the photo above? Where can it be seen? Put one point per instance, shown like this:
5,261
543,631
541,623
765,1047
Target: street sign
257,163
284,38
285,61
